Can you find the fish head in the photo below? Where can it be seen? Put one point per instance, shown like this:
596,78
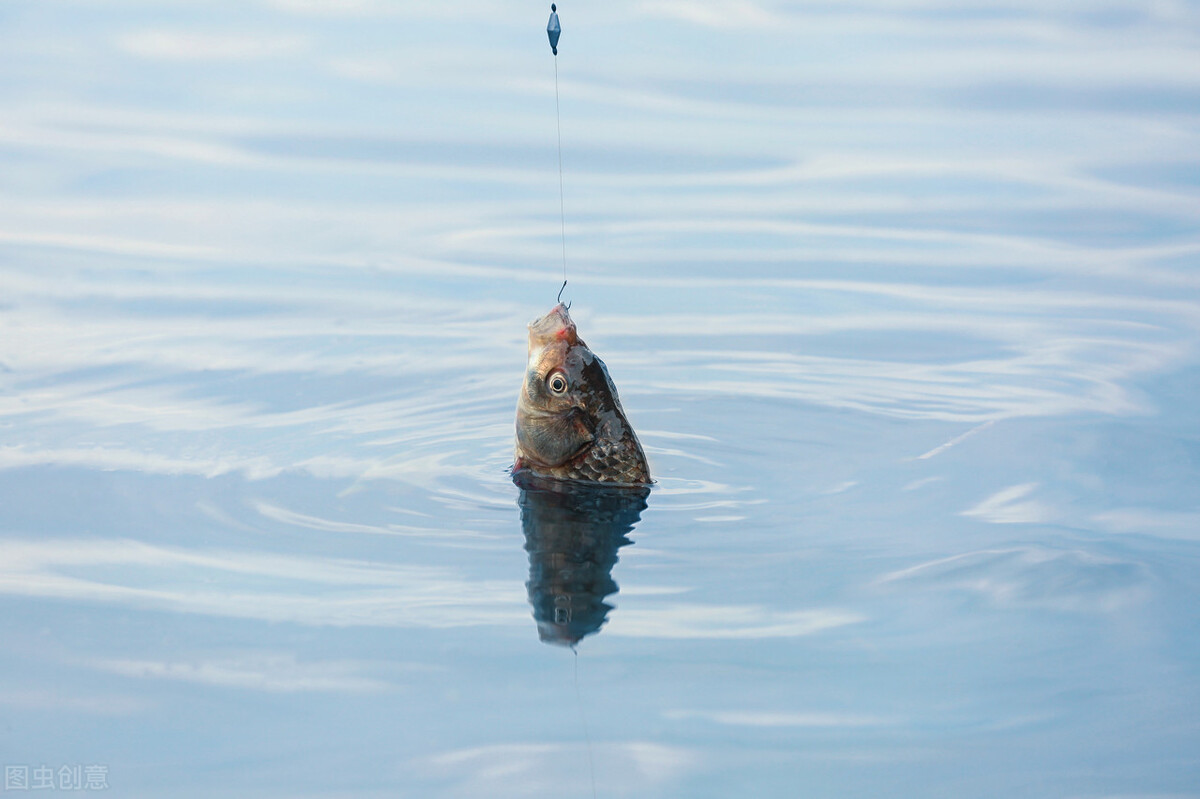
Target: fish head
553,423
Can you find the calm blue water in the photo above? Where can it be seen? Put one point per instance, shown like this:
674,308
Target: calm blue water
902,299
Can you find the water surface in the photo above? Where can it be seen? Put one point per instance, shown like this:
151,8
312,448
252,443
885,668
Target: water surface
902,300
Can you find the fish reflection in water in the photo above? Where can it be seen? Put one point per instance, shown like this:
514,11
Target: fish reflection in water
572,534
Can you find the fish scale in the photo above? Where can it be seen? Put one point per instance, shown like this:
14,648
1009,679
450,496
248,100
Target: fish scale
609,461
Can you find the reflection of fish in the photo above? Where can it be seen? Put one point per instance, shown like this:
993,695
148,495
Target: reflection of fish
572,533
570,423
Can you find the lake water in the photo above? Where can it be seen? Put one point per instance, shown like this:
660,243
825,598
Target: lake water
901,298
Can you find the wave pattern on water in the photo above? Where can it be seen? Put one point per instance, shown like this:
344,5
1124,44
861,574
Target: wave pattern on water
901,297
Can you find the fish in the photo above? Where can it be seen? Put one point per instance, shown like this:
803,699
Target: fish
570,423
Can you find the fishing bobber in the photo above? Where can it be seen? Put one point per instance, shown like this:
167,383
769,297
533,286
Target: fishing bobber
552,28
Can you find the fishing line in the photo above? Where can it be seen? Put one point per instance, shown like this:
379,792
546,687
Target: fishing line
553,30
587,737
562,208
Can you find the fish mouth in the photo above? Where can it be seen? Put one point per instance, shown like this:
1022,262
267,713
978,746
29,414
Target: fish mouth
554,326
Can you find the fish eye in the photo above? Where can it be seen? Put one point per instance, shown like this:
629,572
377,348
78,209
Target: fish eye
557,383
